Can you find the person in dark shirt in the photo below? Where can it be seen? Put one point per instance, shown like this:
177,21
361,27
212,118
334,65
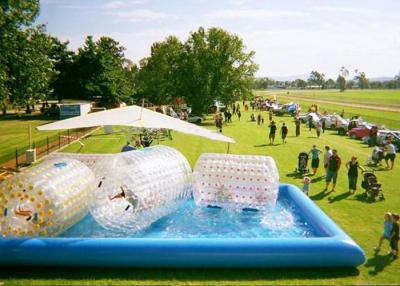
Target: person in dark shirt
394,236
352,173
272,131
127,147
297,123
333,167
284,132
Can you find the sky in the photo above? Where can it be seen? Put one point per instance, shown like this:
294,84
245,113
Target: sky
289,37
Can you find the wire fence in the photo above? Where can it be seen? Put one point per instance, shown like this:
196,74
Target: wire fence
19,158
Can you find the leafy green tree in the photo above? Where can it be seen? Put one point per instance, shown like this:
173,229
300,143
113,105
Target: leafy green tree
341,80
361,79
299,83
317,78
330,83
159,77
100,73
15,17
216,67
63,79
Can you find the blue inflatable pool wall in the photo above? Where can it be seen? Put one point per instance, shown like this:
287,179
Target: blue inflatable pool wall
331,248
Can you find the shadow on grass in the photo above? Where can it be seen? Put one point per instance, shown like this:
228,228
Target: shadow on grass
362,197
177,274
317,179
339,197
320,195
296,175
377,263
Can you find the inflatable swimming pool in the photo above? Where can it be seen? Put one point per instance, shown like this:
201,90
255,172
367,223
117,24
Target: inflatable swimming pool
329,246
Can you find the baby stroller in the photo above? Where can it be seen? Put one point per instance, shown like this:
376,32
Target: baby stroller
371,185
302,163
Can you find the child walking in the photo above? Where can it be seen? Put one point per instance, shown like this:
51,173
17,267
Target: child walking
387,228
306,185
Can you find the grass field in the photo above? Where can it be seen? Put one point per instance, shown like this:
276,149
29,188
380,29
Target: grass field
362,220
373,97
14,133
390,119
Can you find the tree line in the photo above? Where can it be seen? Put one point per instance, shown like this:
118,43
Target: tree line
34,66
318,80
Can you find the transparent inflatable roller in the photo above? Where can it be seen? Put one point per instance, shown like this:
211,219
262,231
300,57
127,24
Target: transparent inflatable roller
236,181
45,200
138,187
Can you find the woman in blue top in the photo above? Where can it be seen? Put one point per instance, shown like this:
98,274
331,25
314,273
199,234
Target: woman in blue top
387,227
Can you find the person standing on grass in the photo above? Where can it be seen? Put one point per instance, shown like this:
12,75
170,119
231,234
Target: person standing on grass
394,237
239,114
352,173
270,114
297,122
323,125
334,163
272,131
284,132
315,152
390,153
387,228
327,155
318,128
310,123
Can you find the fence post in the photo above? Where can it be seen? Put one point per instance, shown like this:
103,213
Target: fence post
16,158
59,140
68,136
47,142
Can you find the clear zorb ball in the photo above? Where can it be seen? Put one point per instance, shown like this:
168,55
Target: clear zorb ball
45,200
235,181
138,187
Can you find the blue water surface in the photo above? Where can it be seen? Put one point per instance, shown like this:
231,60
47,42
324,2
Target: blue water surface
190,221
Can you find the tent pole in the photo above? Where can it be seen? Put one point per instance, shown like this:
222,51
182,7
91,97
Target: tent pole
227,151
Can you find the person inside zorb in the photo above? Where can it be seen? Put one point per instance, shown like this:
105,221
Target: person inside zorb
128,195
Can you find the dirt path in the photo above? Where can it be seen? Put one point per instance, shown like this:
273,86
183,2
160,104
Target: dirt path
382,108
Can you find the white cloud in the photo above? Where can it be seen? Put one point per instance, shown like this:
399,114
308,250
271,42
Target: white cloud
253,14
113,5
138,15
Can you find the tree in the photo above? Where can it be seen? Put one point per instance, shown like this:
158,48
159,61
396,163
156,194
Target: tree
62,82
341,80
362,80
159,77
330,83
216,67
317,78
299,83
15,17
31,68
99,72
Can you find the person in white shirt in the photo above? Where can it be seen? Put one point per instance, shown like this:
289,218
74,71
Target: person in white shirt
390,154
327,155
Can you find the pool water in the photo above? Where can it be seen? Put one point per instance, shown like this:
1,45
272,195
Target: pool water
189,221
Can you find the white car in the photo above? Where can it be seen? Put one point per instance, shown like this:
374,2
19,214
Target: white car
332,121
195,119
315,117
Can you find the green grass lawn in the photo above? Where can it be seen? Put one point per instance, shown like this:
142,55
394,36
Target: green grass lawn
388,118
374,97
14,133
362,220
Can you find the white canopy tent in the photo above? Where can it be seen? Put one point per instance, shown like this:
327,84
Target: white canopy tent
135,116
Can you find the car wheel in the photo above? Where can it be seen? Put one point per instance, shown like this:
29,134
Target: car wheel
333,126
198,121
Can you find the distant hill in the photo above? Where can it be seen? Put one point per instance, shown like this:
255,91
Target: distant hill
382,78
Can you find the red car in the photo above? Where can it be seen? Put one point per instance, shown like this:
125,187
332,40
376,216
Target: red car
359,132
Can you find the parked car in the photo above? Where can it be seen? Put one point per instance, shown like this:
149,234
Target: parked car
356,122
195,119
333,121
383,136
316,117
360,132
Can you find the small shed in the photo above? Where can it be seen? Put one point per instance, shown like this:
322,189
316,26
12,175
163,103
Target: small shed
74,109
